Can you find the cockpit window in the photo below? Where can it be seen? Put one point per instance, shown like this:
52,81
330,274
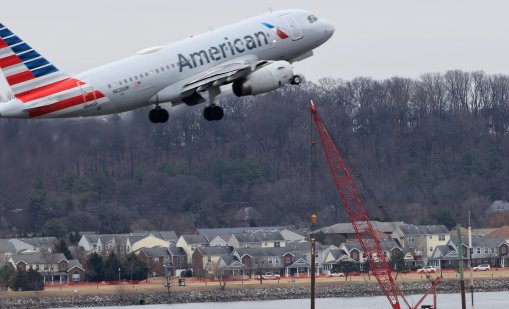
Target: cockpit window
312,18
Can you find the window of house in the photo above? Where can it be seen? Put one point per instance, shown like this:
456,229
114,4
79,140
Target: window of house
493,250
430,236
209,258
441,237
76,276
266,244
478,250
431,249
485,250
277,244
411,238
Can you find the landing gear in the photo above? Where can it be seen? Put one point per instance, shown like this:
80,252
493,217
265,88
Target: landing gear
296,79
158,115
213,112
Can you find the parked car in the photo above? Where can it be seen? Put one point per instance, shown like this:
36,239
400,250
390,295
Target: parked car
484,267
268,276
335,275
427,269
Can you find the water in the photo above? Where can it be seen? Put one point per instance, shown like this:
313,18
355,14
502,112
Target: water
491,300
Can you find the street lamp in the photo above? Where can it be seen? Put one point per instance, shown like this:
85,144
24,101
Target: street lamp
119,275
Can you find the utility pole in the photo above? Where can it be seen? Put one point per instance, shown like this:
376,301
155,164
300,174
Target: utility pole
470,261
313,270
460,266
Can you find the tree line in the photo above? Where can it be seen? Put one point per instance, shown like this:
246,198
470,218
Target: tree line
423,150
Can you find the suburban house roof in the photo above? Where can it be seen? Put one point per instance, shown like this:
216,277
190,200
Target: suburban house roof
338,254
176,251
191,239
239,230
40,241
247,214
258,237
38,258
75,263
223,251
501,232
482,242
411,229
155,252
347,228
498,206
386,245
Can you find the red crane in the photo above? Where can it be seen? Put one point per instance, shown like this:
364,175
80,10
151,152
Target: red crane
358,216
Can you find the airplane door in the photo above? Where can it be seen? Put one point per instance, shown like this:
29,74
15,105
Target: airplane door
88,95
293,27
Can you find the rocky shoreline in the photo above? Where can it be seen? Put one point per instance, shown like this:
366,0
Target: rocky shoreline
238,294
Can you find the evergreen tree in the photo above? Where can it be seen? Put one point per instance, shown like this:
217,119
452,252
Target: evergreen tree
61,247
30,280
95,268
111,267
134,268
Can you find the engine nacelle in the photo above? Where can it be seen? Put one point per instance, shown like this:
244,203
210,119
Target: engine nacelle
265,79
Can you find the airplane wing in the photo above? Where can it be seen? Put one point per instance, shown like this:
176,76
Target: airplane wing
219,75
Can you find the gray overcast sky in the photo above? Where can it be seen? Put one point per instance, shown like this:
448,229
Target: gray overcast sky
377,38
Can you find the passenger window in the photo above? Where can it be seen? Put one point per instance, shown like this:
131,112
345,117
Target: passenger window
168,67
125,81
130,79
173,65
120,83
136,77
146,74
109,86
157,71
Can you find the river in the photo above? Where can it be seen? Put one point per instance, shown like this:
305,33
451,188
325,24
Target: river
491,300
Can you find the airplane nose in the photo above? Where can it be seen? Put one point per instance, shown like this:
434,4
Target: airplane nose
329,27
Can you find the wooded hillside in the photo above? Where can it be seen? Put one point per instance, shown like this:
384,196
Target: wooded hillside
423,150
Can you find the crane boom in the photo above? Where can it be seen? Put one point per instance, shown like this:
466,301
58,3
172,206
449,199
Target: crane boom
362,226
357,214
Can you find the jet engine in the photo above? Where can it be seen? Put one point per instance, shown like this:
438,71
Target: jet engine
264,79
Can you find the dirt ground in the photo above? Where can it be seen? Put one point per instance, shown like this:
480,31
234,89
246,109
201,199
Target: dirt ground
155,285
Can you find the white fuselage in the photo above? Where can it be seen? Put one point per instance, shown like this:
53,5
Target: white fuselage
137,80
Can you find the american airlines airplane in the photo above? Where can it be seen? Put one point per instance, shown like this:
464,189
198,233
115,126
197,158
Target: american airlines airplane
254,56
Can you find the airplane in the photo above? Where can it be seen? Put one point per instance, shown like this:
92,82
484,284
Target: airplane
255,56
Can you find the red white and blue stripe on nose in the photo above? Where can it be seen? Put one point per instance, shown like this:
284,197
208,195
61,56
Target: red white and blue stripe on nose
38,83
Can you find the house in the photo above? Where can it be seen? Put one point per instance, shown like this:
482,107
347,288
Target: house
332,257
424,238
76,272
303,249
178,259
231,267
257,240
206,260
247,216
499,206
355,252
189,243
9,247
54,267
261,260
126,243
485,250
155,259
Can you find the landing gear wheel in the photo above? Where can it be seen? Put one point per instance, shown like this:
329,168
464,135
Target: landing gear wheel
296,79
158,115
213,112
